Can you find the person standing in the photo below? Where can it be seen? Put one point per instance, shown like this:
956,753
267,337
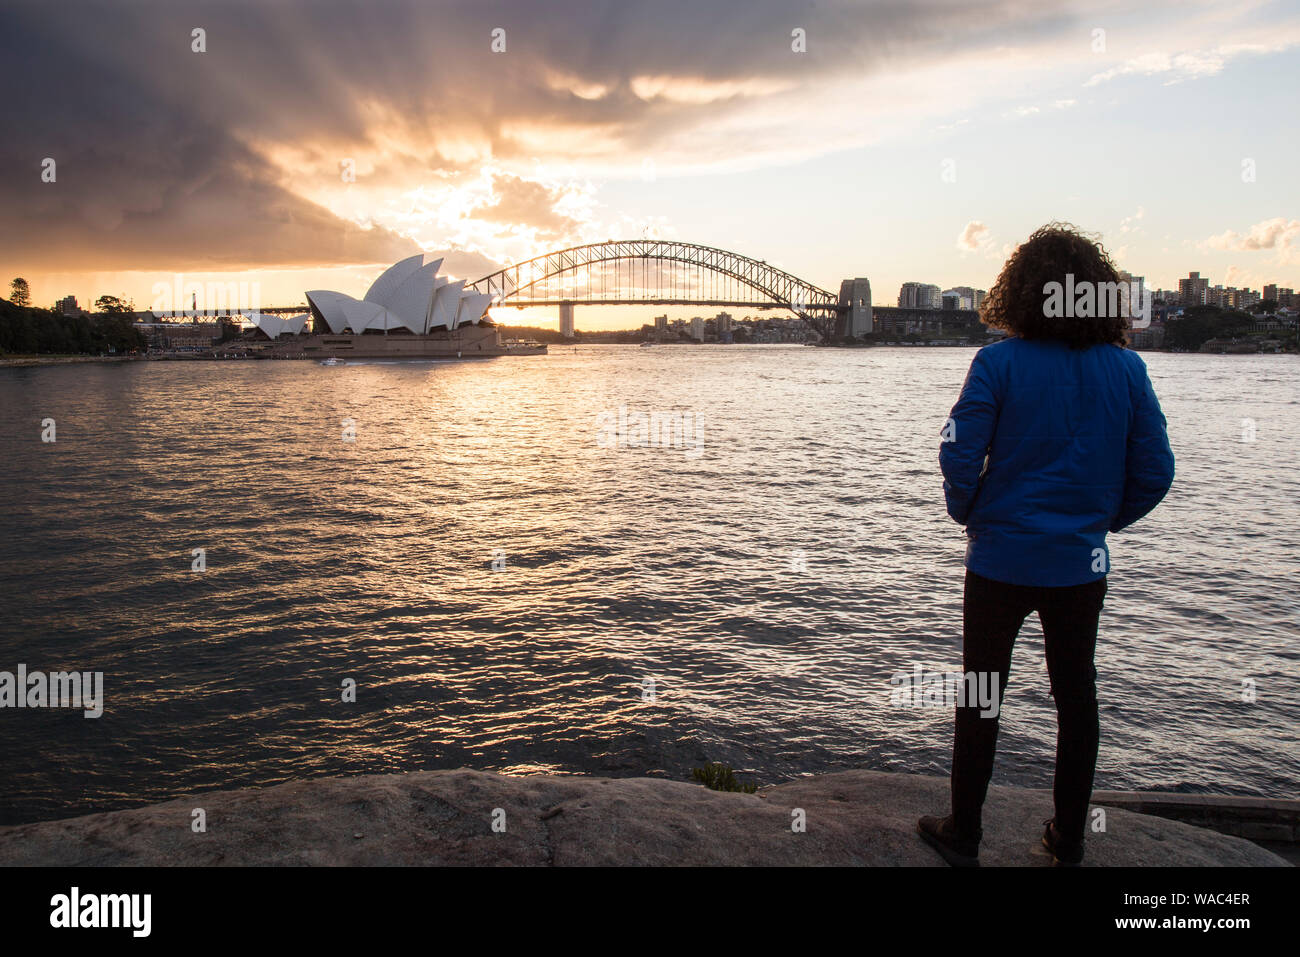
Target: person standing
1056,439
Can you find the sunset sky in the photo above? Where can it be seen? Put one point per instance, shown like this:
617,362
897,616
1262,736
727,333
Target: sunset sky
687,120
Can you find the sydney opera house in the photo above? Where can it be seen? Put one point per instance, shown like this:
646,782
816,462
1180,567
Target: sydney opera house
408,312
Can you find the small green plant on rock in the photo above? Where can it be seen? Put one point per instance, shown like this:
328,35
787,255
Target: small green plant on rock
718,777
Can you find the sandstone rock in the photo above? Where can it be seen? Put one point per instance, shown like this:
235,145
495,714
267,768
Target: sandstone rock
446,817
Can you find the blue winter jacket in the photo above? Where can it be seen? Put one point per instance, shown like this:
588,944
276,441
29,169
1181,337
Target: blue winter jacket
1048,448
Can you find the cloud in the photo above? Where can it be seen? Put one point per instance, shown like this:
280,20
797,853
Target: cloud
1023,111
1129,223
230,158
1277,233
141,178
974,237
1189,65
465,263
529,203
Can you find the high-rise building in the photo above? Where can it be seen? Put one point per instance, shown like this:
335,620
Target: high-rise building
661,327
970,297
1133,294
1192,291
965,297
697,328
67,306
919,295
1281,295
566,320
1241,298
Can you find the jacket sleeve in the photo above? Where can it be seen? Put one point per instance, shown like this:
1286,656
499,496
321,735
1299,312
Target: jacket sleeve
966,437
1149,461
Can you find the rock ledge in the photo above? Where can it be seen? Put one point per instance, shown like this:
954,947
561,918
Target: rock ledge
446,818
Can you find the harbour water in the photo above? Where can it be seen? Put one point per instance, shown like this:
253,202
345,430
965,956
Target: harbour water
512,587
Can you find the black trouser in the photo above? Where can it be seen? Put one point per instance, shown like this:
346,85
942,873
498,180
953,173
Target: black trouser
992,615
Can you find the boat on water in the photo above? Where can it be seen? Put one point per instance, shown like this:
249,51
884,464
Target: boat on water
333,361
524,347
646,344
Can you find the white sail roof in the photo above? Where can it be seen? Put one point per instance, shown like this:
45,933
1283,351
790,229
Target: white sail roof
445,304
413,299
391,278
275,326
330,306
472,307
407,295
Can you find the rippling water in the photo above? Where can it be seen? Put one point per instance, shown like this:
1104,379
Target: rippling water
373,560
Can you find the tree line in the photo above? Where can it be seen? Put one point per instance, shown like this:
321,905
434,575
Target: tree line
1199,324
26,330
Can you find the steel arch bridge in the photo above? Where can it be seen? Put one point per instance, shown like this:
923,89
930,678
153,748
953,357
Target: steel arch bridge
659,272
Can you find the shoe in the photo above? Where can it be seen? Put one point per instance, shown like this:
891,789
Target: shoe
1064,853
957,849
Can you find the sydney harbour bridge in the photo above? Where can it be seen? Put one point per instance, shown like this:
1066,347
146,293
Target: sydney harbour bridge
661,272
666,272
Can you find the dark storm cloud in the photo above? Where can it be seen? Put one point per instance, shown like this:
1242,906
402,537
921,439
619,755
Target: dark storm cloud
147,172
161,151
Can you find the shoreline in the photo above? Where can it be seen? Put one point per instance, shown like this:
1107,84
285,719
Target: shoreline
24,362
475,818
19,362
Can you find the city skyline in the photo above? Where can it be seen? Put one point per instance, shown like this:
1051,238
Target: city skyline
830,141
1193,289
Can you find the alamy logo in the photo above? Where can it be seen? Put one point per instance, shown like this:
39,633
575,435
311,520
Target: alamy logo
75,909
57,689
674,429
944,689
1088,300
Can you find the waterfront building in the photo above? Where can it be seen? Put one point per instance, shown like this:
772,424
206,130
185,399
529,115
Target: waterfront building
959,297
891,321
408,295
919,295
171,336
970,297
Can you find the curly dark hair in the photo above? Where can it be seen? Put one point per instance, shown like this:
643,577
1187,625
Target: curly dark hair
1016,303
